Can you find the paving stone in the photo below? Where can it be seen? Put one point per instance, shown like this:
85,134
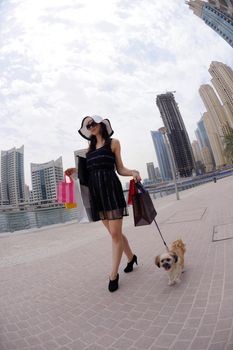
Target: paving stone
122,343
224,324
144,342
106,340
56,307
192,322
220,336
172,328
218,346
200,343
133,334
165,340
77,345
153,331
180,345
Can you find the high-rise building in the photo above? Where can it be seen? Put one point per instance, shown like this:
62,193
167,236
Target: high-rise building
45,178
201,134
217,14
222,80
226,6
157,174
177,134
215,140
151,171
196,151
215,110
162,155
204,143
27,193
12,176
200,167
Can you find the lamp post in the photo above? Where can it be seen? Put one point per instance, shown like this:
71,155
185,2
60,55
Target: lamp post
163,131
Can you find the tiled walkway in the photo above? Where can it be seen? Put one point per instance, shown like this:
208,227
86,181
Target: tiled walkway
54,296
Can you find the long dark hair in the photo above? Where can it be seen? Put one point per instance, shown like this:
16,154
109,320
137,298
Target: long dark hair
103,133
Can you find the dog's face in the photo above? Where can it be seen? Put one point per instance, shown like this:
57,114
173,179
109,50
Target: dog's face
166,260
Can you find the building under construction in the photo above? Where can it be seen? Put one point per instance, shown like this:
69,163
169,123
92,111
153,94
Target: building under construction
177,134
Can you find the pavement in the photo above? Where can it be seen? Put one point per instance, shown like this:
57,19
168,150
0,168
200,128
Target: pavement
54,296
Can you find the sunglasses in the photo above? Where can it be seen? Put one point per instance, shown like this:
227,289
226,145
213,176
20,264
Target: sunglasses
91,125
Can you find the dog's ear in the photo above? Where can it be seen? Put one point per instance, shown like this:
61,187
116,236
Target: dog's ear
157,260
175,257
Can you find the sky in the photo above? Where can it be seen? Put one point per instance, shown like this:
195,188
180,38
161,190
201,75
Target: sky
64,59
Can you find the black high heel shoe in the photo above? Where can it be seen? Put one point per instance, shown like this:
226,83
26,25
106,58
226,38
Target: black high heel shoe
129,266
113,284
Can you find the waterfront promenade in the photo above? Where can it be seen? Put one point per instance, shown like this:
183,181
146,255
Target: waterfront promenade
54,294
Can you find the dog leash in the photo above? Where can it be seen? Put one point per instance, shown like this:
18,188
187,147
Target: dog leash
161,234
142,189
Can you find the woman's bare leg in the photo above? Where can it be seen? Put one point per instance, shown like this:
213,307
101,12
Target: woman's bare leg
115,229
126,247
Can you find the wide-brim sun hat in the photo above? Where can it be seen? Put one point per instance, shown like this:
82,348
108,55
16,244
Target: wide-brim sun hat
87,133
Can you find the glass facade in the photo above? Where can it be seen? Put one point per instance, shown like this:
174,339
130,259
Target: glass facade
162,155
12,176
203,138
177,134
219,21
45,178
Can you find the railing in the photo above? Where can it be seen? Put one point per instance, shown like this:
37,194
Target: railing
164,190
29,217
11,221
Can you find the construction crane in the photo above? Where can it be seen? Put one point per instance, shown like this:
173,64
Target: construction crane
160,92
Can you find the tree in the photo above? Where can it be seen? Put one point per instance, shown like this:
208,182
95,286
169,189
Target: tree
228,140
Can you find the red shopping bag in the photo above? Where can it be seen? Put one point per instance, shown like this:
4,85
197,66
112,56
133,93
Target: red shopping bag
132,191
66,191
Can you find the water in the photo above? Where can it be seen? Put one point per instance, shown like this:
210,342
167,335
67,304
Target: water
22,220
11,221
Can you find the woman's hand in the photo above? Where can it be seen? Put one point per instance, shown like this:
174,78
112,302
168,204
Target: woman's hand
70,171
136,175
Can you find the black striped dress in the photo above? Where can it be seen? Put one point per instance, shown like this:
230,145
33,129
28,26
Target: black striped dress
106,194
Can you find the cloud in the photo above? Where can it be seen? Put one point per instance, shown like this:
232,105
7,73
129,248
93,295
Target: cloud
64,59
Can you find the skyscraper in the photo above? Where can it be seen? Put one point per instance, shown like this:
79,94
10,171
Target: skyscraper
196,151
12,176
200,167
215,140
204,143
177,134
162,155
215,110
222,80
215,123
45,178
151,171
226,6
217,14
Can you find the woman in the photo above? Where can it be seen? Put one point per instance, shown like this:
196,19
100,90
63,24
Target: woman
106,194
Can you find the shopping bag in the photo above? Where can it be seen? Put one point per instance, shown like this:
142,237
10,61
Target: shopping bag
70,205
143,209
82,171
132,191
65,190
83,200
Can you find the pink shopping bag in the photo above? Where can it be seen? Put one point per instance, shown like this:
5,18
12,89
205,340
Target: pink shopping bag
66,191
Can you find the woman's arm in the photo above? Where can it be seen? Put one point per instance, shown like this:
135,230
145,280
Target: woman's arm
121,169
70,171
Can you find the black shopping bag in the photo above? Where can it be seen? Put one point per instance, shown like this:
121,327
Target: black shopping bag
143,209
82,171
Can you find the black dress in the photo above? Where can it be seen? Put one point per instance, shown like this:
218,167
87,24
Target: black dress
106,194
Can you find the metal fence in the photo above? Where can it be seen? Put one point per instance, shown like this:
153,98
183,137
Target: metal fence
13,220
21,220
